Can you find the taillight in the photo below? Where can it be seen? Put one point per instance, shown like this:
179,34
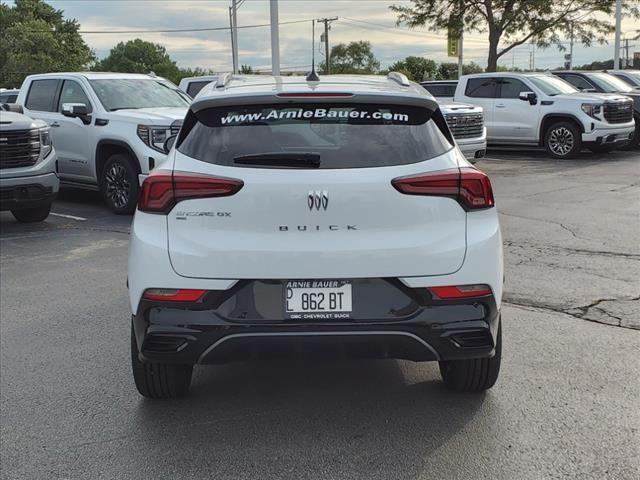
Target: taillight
173,294
161,191
471,188
460,291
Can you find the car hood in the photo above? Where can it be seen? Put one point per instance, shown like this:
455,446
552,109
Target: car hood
17,121
458,107
591,97
155,116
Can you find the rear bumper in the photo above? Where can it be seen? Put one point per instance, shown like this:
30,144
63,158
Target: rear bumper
232,326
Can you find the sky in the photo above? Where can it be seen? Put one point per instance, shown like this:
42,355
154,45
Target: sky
370,20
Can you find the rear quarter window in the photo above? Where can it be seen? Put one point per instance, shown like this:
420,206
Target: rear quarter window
343,135
41,96
481,88
194,88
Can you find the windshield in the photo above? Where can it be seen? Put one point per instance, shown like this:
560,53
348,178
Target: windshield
552,85
314,135
632,78
608,83
127,93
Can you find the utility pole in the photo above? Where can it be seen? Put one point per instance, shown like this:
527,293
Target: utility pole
616,50
275,38
460,40
233,44
626,55
327,27
234,34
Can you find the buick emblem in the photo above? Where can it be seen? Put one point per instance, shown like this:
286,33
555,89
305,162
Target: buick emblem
318,199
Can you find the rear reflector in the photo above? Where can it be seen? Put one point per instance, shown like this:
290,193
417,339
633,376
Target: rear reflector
460,291
161,191
471,188
173,295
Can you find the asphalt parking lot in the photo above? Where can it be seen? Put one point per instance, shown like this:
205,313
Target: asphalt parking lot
565,405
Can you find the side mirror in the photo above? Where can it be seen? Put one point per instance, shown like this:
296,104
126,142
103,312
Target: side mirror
13,107
530,97
74,110
168,143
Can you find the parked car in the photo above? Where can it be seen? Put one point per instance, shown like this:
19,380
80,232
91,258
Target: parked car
28,180
537,109
8,95
602,82
107,127
332,216
193,85
630,77
466,123
441,89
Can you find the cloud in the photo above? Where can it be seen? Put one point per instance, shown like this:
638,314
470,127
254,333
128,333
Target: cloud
212,49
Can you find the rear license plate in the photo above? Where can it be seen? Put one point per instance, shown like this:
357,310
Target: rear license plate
317,299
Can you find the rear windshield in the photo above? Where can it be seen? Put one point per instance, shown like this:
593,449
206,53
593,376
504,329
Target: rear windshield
340,135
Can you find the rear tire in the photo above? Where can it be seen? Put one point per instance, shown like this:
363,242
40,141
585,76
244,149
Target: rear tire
119,184
34,214
473,375
159,380
563,140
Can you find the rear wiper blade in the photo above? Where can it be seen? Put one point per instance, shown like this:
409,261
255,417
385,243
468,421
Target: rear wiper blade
280,159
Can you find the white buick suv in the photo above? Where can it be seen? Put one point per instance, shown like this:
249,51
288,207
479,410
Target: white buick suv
315,218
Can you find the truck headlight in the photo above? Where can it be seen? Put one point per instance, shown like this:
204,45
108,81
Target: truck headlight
154,136
594,110
45,141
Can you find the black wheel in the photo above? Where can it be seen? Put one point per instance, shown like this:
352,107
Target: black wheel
473,375
33,214
158,380
602,148
563,140
119,184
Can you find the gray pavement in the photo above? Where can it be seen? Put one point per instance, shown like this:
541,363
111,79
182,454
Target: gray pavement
565,405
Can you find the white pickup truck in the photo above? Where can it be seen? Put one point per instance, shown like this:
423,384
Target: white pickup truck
538,109
108,128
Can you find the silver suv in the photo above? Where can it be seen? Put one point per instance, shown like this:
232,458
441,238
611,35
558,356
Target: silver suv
28,179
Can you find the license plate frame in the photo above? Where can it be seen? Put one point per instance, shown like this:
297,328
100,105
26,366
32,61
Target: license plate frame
325,299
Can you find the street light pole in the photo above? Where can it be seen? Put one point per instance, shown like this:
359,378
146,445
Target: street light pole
233,43
275,39
616,50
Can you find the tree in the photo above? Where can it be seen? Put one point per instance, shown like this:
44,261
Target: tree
36,38
356,57
416,68
449,71
510,23
246,70
139,56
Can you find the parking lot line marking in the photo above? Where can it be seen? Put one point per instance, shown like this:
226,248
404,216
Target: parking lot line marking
72,217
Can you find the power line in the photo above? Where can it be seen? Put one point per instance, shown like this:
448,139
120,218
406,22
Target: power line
181,30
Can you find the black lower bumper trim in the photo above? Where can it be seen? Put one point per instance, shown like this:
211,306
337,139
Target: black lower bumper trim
247,323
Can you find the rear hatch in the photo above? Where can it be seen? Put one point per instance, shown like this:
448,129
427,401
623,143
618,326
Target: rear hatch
317,199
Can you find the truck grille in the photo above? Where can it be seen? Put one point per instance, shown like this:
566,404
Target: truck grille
619,112
465,125
19,148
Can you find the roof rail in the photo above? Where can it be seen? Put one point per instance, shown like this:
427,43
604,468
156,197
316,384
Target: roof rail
223,80
399,78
